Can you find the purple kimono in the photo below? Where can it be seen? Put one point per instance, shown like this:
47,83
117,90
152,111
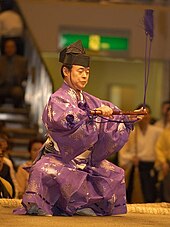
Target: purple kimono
72,173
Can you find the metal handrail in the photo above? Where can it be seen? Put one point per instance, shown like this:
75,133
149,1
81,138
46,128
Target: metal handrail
39,84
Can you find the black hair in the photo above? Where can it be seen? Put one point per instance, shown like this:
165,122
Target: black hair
165,102
69,67
6,5
4,137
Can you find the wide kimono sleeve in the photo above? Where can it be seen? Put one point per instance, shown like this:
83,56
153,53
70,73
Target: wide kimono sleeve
70,127
112,136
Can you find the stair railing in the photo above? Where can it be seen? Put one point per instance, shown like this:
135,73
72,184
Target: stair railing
39,84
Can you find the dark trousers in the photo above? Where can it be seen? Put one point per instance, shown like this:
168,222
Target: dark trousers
12,92
148,178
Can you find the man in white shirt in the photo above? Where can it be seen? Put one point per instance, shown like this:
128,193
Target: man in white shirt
140,152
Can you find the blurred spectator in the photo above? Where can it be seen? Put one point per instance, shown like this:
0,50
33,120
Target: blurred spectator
22,174
4,148
11,26
13,75
163,161
5,188
162,122
137,157
5,174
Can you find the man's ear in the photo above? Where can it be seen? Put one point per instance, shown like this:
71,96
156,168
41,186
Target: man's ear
66,71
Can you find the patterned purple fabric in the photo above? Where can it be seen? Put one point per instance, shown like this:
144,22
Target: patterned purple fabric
61,183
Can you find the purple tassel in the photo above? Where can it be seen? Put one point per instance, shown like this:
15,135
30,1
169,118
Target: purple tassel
70,121
148,22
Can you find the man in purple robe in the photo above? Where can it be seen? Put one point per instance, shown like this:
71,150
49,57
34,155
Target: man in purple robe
71,175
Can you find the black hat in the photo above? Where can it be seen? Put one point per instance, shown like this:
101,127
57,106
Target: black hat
74,54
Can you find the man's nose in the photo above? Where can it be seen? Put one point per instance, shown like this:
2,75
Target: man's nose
85,74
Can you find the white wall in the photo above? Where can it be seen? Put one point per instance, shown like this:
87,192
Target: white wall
46,17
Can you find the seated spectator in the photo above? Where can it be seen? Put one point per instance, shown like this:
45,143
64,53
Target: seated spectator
22,174
11,26
5,174
6,160
5,189
13,75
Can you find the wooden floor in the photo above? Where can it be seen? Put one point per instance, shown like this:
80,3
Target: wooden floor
8,219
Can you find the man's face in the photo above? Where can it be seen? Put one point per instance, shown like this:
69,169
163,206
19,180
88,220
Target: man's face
146,118
10,48
35,150
165,108
3,144
78,77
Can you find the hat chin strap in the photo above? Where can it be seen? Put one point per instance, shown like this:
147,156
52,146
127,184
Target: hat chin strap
72,84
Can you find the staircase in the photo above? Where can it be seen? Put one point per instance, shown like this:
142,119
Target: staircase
17,125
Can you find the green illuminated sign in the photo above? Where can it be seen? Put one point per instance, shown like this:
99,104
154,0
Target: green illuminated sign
96,42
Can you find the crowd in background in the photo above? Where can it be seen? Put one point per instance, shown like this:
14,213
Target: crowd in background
146,159
16,176
13,64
